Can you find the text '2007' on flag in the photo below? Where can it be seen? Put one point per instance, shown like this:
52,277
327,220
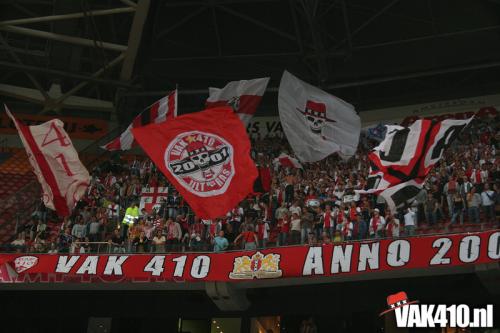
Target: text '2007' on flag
206,156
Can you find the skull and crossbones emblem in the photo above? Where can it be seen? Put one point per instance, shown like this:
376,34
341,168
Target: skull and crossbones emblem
315,114
199,155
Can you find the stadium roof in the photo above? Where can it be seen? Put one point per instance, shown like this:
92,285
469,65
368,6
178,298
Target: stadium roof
373,53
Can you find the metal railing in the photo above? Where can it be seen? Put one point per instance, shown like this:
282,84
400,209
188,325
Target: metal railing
127,247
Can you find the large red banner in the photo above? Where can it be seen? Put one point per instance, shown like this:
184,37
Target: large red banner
206,156
295,261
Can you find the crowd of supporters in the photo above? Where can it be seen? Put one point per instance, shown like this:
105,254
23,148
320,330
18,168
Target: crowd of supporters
316,204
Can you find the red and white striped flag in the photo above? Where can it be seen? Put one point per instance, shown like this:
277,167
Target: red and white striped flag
160,111
287,161
55,162
243,96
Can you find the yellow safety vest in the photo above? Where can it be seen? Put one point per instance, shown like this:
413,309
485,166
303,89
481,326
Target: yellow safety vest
131,214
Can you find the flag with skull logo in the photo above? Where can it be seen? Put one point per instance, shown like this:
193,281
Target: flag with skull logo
206,156
316,123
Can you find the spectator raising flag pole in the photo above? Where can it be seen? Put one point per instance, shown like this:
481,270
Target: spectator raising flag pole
162,110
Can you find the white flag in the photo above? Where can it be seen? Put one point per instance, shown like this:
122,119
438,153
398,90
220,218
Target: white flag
243,96
151,198
287,161
316,123
55,162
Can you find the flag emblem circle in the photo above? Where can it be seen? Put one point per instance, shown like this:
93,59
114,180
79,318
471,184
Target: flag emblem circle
201,162
24,263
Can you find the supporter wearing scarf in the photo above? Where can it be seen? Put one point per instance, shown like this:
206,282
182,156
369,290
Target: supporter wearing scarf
389,229
352,212
347,229
171,233
328,221
374,223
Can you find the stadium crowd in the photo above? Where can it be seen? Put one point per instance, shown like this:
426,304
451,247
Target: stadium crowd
316,204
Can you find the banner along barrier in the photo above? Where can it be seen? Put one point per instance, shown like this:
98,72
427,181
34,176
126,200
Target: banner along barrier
294,261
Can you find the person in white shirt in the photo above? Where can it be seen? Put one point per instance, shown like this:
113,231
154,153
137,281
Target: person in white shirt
113,211
377,224
465,189
295,209
295,228
346,230
410,217
488,202
339,192
392,226
263,232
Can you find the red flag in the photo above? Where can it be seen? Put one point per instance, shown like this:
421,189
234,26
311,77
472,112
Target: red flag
55,162
243,96
162,110
206,156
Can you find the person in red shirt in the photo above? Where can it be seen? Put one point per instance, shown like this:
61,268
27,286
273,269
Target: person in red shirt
249,237
183,222
196,235
328,220
341,217
352,211
310,197
283,228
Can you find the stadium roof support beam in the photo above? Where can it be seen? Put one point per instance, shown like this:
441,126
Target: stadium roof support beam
230,57
258,23
52,18
397,77
58,73
64,38
56,104
415,39
345,14
366,23
216,28
293,11
311,10
186,3
433,36
129,3
181,22
134,39
19,62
